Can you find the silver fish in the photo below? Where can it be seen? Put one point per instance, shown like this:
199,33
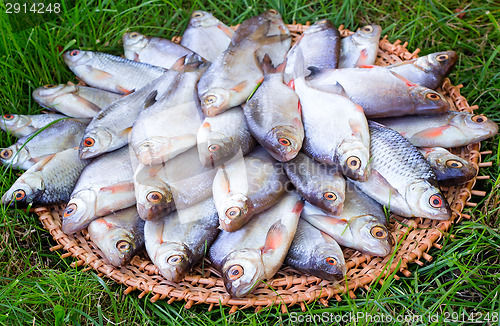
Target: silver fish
256,252
206,35
360,48
427,71
316,253
106,185
178,241
74,101
49,181
109,72
401,179
451,129
28,150
450,169
119,236
22,125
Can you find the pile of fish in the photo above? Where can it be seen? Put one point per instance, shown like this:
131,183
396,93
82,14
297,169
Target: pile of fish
243,148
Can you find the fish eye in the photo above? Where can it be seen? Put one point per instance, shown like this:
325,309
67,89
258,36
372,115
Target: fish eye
378,232
6,153
175,259
154,197
235,272
133,35
70,210
74,53
353,162
19,194
454,164
284,141
197,15
367,29
8,116
332,261
213,148
442,57
329,196
88,142
436,201
210,99
272,11
432,96
123,245
233,212
50,85
479,118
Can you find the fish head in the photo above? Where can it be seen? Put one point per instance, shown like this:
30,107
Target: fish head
374,237
95,142
426,200
284,142
439,62
173,260
24,190
215,101
428,101
448,166
354,159
328,262
77,57
235,211
134,41
14,155
319,26
154,202
79,212
241,271
367,34
477,124
14,122
47,93
329,196
116,243
214,148
201,18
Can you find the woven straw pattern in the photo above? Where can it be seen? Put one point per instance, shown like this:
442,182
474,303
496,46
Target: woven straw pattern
414,238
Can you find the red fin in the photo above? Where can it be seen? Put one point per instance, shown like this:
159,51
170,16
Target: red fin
363,55
103,221
179,64
100,75
119,187
44,160
365,66
275,237
406,81
431,132
238,88
136,57
205,125
298,207
334,220
291,84
300,108
123,90
229,32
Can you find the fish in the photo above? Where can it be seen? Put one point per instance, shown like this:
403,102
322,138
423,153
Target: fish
428,70
320,45
256,252
74,101
235,74
206,35
110,129
360,48
177,183
247,186
169,126
155,51
449,168
273,115
316,253
21,125
50,181
320,184
30,149
450,129
105,185
361,226
336,130
109,72
178,241
401,178
223,137
119,235
381,92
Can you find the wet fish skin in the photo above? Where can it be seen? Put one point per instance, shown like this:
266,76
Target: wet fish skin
319,184
256,251
119,235
74,101
428,70
206,35
360,48
105,186
28,150
316,253
109,72
224,136
22,125
50,181
450,129
178,241
450,169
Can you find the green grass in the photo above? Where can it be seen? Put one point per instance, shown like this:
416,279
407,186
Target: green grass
38,288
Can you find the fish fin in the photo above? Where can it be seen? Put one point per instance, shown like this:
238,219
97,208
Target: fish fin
179,64
298,207
299,70
151,99
240,86
136,57
70,83
327,237
228,31
124,90
45,159
100,74
314,71
355,127
275,237
37,159
431,132
363,55
124,186
334,89
291,84
365,66
267,65
206,124
406,81
126,131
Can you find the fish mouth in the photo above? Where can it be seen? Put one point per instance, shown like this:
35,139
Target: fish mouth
174,260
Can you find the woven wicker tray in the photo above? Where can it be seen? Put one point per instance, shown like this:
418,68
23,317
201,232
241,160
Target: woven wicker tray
414,238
